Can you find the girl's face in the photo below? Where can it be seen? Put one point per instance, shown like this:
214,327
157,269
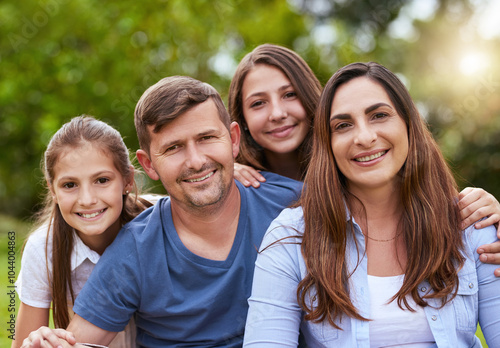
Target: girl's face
369,138
89,191
275,117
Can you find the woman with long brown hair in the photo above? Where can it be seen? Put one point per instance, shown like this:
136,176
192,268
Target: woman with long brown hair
373,254
273,96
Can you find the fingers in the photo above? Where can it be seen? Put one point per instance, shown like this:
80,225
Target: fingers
493,248
475,204
247,175
45,337
492,219
490,253
493,259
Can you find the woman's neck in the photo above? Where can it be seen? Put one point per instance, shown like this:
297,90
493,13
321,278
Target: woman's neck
376,203
378,213
286,164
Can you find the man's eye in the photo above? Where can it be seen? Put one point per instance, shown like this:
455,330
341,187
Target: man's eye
172,148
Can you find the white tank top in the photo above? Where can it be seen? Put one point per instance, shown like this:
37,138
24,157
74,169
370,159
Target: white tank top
391,326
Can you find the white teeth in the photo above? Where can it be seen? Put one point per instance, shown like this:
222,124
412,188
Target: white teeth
89,216
202,178
371,157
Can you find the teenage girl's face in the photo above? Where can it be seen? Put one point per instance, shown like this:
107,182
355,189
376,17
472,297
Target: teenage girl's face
89,191
275,117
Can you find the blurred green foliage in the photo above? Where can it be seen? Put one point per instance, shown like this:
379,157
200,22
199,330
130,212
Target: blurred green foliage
62,58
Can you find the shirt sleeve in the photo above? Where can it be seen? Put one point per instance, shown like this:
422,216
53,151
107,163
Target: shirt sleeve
33,285
489,287
274,315
111,295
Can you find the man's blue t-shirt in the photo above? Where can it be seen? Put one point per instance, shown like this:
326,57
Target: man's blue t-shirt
181,299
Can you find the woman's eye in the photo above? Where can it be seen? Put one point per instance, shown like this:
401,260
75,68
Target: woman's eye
380,115
102,180
290,95
341,126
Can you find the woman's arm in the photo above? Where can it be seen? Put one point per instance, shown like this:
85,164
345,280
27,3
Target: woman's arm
489,294
29,319
247,175
475,204
274,315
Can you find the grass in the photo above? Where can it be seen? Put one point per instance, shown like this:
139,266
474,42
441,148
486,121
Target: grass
12,231
20,230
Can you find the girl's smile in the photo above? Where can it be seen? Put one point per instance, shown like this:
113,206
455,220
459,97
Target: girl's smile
89,192
273,112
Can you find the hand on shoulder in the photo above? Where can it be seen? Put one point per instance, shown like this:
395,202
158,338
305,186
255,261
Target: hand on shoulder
247,175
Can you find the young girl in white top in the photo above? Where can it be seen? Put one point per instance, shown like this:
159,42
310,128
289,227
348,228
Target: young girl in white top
89,178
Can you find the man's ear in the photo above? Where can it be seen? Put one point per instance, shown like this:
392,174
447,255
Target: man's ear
234,131
146,164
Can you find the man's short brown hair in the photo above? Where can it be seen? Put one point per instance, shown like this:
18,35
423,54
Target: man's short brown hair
169,98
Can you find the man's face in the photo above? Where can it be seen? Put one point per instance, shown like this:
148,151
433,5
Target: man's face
193,156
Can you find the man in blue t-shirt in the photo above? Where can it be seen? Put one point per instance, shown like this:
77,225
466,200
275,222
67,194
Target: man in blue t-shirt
184,267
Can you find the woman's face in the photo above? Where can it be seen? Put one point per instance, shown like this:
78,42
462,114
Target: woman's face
275,117
369,138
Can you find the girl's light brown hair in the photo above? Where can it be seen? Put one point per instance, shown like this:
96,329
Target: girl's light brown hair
304,82
430,223
80,130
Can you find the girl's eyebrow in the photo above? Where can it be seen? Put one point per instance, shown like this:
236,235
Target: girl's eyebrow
258,94
72,178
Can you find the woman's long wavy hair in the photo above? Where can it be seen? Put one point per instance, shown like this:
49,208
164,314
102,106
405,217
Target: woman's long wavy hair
79,131
430,222
305,84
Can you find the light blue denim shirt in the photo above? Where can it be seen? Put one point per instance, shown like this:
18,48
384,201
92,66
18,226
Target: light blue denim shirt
274,317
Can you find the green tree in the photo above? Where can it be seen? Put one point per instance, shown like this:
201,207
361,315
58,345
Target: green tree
62,58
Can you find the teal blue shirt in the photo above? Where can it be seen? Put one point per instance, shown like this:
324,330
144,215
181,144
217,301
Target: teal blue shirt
180,299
